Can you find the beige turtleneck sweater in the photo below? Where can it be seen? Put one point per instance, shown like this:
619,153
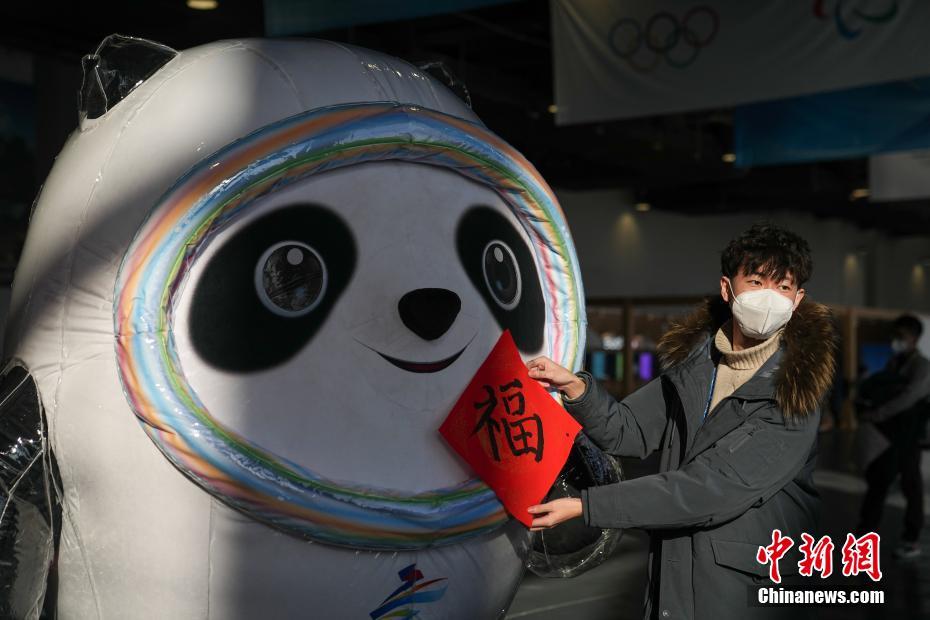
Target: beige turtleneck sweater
737,367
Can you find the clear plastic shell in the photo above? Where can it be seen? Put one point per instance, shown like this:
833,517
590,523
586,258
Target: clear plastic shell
572,548
119,65
30,516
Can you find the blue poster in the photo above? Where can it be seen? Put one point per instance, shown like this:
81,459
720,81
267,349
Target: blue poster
838,125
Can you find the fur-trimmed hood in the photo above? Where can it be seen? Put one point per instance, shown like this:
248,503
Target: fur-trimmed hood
809,342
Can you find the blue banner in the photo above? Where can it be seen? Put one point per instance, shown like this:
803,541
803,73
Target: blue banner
838,125
293,17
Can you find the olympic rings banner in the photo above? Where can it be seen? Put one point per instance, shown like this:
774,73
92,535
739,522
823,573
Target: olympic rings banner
625,58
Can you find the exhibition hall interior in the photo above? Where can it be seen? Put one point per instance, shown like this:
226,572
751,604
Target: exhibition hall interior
290,290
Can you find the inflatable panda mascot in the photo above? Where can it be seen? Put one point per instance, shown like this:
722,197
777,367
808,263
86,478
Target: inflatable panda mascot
255,283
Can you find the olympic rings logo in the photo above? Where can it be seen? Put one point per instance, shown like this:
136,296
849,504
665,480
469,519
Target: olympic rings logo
846,20
664,36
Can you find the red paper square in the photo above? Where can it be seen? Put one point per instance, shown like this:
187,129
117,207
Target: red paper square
497,424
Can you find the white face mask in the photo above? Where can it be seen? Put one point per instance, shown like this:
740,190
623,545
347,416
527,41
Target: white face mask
898,345
761,313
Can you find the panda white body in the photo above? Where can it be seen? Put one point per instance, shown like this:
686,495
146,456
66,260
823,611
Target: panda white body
138,538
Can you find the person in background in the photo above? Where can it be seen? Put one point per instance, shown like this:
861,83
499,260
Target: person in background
900,418
734,416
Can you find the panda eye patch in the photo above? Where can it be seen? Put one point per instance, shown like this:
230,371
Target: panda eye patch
501,267
501,274
270,287
290,278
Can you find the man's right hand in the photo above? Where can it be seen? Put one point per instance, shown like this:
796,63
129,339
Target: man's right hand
548,373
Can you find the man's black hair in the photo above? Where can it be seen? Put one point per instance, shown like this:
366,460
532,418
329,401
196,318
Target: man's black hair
910,324
770,250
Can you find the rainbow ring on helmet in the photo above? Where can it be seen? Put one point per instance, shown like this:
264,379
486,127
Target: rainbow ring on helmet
230,467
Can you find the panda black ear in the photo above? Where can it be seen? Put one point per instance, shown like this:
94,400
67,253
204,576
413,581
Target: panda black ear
119,65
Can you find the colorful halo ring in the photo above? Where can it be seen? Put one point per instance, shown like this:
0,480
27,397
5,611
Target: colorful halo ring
230,467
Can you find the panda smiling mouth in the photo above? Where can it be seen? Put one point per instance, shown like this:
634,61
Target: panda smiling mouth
422,366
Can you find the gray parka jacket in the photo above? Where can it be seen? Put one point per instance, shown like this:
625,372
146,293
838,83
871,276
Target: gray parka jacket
724,484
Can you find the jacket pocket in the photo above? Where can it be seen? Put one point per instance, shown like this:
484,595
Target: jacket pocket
741,556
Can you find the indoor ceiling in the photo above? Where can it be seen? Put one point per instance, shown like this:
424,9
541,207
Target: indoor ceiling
503,55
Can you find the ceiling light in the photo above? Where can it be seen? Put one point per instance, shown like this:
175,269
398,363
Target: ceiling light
729,157
643,206
553,108
202,5
858,193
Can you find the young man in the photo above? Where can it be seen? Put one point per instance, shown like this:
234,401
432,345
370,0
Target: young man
900,418
735,417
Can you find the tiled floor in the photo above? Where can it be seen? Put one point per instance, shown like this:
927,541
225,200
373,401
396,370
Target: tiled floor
614,590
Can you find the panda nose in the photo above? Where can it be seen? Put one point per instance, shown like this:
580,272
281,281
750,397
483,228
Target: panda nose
429,312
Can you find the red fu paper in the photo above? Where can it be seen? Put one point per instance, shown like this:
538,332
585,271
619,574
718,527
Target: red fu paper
510,430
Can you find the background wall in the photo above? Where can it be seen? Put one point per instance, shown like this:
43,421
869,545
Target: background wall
625,252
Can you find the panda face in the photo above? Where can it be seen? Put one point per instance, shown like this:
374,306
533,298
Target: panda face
342,316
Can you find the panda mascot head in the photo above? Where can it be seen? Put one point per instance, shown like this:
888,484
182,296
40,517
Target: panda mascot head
255,282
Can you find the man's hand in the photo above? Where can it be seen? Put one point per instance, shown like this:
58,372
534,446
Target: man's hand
552,513
548,373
